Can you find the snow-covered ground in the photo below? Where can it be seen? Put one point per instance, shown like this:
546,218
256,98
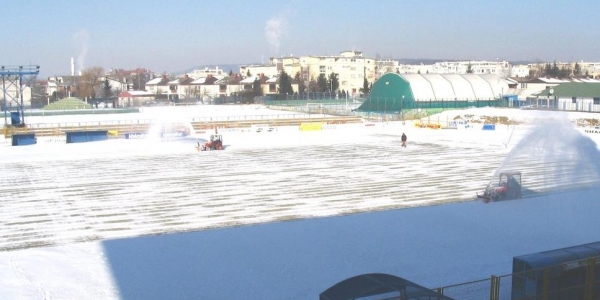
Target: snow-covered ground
151,219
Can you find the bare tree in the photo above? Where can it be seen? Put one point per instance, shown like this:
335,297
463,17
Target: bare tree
89,78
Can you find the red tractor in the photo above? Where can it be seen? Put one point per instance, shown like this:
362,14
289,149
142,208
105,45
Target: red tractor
215,143
508,188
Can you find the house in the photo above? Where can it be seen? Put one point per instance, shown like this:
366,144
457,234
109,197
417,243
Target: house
134,98
63,86
572,96
117,85
158,86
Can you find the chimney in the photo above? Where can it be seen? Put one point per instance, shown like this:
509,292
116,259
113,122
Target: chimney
72,67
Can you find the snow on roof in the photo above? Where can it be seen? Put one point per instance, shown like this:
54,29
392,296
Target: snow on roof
552,80
154,81
250,79
200,80
588,80
136,94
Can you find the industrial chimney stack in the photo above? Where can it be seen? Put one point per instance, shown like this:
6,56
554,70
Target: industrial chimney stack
72,66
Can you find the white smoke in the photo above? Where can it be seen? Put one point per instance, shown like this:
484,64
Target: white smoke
81,39
274,32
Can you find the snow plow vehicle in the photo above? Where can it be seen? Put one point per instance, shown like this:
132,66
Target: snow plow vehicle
215,143
508,188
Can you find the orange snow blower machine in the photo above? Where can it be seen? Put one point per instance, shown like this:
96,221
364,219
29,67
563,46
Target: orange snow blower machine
508,188
215,143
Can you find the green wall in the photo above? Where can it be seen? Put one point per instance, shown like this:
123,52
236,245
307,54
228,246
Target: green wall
387,95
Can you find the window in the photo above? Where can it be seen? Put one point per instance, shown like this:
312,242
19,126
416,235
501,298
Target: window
322,69
272,88
596,100
574,100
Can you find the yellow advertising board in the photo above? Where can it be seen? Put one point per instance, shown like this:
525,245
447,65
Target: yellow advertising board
313,126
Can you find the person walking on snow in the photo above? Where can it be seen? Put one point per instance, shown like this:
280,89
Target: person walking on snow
403,140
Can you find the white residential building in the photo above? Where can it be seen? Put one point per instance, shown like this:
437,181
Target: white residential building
203,73
158,86
520,71
351,68
269,70
501,68
415,69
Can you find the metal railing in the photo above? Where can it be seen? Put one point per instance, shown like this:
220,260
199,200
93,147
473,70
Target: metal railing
574,280
192,120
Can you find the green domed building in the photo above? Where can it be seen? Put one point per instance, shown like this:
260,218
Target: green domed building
393,93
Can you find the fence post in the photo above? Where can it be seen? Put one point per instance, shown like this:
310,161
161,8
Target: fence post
494,288
546,284
589,279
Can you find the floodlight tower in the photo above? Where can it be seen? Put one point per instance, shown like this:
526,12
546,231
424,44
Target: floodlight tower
12,88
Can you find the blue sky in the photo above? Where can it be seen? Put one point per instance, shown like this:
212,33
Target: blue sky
174,36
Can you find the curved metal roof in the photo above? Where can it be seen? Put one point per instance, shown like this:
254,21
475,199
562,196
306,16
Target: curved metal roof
367,285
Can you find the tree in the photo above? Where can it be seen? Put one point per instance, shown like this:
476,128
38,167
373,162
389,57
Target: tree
90,78
469,68
322,83
564,72
230,72
301,84
248,73
138,81
285,84
334,83
313,86
106,89
577,70
39,98
365,89
256,87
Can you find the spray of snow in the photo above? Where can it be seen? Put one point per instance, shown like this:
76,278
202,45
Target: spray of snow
570,159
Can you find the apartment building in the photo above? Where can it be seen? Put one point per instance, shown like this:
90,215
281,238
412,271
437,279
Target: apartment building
203,73
351,67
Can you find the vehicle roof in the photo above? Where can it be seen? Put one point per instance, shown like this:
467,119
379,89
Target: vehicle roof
511,172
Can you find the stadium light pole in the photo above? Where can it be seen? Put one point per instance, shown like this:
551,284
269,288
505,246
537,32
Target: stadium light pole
402,109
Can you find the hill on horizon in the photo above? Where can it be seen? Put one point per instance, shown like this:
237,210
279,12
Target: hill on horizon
430,61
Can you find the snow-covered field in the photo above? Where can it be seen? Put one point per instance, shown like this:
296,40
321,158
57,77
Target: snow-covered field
73,214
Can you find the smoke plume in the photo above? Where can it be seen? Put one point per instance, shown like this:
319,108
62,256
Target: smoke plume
81,39
274,31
